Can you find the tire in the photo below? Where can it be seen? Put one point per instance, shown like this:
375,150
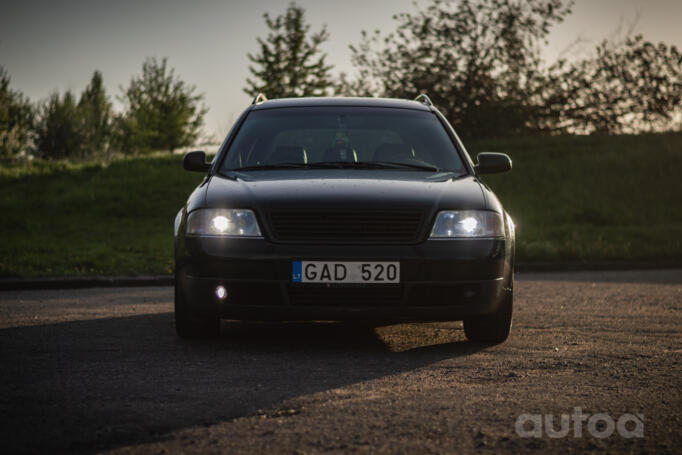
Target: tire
492,328
188,325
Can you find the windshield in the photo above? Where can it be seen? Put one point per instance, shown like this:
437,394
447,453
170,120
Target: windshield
346,137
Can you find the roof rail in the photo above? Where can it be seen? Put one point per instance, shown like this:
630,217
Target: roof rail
424,99
259,98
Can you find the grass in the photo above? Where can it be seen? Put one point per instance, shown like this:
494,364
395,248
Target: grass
91,219
591,199
582,199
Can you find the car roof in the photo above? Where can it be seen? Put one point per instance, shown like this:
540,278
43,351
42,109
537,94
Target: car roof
340,101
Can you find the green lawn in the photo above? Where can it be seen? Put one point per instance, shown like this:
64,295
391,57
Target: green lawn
585,199
593,198
90,219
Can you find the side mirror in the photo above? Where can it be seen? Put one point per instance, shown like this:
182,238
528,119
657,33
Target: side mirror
493,163
196,161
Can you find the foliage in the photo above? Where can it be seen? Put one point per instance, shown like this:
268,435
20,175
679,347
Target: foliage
476,59
290,62
162,112
629,87
59,132
16,119
96,117
479,61
76,130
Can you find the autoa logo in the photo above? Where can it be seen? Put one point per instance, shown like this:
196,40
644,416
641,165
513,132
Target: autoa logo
597,425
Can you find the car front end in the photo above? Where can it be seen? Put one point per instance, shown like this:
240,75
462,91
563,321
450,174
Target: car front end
339,240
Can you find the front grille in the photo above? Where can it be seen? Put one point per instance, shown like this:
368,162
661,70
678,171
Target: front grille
346,226
345,296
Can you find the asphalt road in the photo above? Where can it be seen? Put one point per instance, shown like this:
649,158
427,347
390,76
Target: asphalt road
100,370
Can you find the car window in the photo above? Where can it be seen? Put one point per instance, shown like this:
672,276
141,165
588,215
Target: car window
307,135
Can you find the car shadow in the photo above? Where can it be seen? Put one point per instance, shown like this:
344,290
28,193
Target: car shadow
88,386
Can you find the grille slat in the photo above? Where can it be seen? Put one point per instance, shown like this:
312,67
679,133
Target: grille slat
346,226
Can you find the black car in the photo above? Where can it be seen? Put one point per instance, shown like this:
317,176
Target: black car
344,208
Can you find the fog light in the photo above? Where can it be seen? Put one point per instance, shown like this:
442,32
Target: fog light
221,292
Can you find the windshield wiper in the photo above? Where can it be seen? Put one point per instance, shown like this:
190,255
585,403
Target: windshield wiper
371,165
339,165
389,164
269,167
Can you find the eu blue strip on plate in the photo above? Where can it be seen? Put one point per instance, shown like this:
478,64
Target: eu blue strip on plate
297,270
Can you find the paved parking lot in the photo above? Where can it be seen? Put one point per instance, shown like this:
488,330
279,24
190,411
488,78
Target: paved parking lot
95,370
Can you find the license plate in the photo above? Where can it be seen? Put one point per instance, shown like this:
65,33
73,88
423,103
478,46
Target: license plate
345,272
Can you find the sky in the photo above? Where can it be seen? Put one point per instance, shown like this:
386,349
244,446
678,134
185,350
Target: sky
56,45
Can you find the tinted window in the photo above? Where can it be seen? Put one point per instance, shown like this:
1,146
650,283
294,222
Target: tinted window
349,134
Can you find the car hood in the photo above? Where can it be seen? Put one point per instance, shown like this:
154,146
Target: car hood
265,190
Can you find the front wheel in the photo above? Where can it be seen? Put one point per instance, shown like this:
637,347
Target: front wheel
494,327
189,325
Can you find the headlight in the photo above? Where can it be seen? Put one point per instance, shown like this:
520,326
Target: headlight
223,222
467,223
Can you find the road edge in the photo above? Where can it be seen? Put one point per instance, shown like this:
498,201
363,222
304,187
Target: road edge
77,282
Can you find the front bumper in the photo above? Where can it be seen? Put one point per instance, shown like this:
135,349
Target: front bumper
440,280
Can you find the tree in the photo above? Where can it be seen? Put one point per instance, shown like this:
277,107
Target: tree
59,132
162,112
74,130
96,116
626,87
16,119
476,59
291,62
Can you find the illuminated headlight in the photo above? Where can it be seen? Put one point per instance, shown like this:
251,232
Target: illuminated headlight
223,222
467,223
